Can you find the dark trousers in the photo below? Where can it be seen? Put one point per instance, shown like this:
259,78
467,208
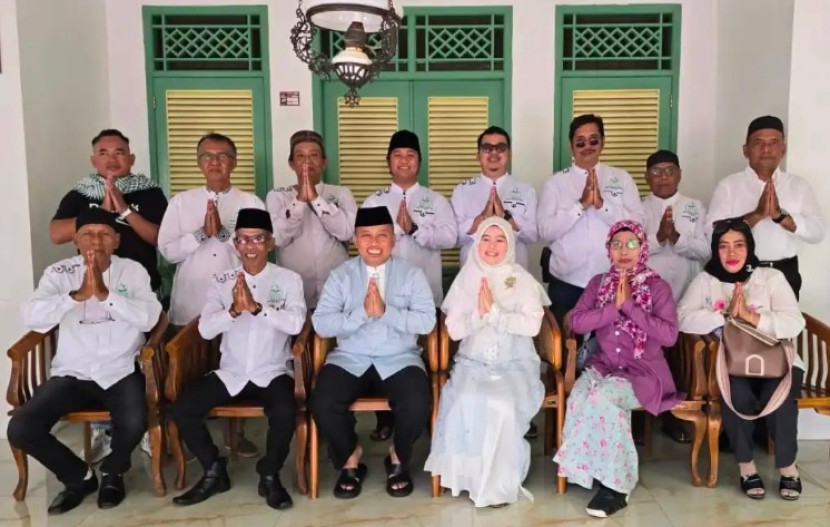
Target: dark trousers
277,399
789,267
30,428
563,297
409,398
748,397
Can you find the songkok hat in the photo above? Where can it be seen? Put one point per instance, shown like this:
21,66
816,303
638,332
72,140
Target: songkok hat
404,139
765,122
371,216
662,156
254,219
307,136
95,215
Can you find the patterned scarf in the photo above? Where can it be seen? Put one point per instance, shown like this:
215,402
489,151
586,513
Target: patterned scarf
637,280
93,186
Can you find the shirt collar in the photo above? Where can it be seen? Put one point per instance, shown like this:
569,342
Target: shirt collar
214,195
668,202
397,189
504,178
776,176
580,170
376,271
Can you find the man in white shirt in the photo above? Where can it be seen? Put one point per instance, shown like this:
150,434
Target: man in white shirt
675,224
103,305
780,207
495,192
255,307
578,206
313,221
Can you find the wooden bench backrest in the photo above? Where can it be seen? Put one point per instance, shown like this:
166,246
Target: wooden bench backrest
813,346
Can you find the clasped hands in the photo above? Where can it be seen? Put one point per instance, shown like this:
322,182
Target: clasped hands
305,190
243,300
591,196
113,198
373,303
93,284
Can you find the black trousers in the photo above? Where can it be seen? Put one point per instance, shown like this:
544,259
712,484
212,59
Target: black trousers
788,266
409,398
748,397
30,428
563,297
190,415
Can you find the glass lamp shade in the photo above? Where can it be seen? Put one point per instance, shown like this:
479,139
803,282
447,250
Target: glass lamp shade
338,15
352,56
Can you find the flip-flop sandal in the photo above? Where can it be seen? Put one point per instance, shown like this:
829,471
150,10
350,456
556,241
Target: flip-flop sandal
792,484
395,475
352,477
381,434
752,482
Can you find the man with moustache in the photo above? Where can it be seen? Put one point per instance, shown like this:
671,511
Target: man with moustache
102,305
256,307
376,305
577,207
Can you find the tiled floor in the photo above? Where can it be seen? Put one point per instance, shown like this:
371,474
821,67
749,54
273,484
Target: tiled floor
664,497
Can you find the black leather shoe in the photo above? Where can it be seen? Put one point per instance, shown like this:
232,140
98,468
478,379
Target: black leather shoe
73,495
111,492
214,481
274,493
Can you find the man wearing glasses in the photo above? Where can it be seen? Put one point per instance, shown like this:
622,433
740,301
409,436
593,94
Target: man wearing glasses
577,207
495,192
256,307
675,224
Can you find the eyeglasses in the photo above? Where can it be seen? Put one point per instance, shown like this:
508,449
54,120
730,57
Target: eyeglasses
669,171
208,157
258,239
489,148
594,141
630,244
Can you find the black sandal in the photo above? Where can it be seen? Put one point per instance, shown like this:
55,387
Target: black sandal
352,477
792,484
381,433
395,475
753,482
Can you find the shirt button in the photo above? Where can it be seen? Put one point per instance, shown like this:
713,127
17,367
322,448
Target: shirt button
214,254
617,333
618,350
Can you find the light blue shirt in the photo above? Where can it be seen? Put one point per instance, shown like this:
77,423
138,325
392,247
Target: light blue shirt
388,343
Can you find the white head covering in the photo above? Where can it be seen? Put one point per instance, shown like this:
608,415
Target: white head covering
509,282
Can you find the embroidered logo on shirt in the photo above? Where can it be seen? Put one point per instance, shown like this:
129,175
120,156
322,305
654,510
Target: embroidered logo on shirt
332,199
514,198
509,282
122,290
68,269
380,193
691,212
614,187
285,189
222,278
471,181
424,207
276,297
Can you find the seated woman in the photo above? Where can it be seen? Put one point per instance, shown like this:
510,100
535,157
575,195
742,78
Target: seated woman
495,308
633,314
733,284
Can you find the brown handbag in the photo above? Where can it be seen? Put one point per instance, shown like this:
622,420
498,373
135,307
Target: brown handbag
746,352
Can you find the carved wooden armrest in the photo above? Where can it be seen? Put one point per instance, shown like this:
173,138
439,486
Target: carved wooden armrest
188,356
301,350
432,349
320,348
153,362
29,370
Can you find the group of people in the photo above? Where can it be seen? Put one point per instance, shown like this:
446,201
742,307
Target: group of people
600,235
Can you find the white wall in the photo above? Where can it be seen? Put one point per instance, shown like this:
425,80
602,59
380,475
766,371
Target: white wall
16,278
63,57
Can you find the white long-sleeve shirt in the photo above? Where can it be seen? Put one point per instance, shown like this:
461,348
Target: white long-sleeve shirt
577,236
255,348
433,215
517,197
677,263
198,260
312,237
739,193
766,292
99,340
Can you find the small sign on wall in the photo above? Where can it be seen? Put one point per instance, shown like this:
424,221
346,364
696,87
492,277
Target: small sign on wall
289,98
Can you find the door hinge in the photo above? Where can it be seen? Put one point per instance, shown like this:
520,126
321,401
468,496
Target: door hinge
154,102
671,101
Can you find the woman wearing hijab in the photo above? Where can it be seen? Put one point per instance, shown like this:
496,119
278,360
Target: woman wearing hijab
494,308
733,284
632,312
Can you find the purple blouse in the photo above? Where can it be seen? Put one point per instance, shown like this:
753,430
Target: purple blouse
649,376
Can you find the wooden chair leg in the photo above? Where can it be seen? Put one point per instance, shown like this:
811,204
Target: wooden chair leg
157,453
648,422
698,420
178,454
313,460
549,434
714,425
233,431
301,442
88,442
770,445
436,486
22,462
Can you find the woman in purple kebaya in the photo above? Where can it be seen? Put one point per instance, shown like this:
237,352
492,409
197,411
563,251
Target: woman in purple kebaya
632,313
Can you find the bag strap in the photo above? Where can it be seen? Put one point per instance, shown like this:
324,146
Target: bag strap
779,396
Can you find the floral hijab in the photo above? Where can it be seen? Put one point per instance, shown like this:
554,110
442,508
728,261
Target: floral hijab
638,279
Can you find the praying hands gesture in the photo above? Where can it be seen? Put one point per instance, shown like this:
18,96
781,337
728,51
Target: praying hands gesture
493,207
373,304
93,284
243,300
591,196
305,190
404,220
738,307
213,224
667,231
485,298
113,198
623,292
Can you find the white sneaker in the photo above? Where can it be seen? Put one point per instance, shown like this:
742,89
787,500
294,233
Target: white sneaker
145,444
100,445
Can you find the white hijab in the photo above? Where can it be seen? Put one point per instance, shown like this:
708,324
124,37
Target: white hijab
509,282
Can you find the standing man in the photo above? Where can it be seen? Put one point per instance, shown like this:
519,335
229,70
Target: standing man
578,206
495,192
313,221
780,207
675,224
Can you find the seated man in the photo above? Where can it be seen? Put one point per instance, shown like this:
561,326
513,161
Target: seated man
103,305
376,306
256,307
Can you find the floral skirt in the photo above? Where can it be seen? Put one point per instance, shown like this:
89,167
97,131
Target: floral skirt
597,442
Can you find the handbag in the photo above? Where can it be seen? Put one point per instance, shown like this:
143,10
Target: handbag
747,352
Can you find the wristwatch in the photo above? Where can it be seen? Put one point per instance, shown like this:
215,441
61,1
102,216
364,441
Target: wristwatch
507,216
413,230
781,217
123,215
258,309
